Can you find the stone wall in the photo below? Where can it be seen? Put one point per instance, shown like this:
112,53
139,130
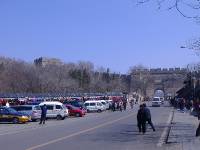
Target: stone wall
167,79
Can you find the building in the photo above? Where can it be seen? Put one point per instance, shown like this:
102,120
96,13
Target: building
43,61
168,80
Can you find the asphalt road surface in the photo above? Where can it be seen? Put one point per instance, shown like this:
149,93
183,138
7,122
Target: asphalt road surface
96,131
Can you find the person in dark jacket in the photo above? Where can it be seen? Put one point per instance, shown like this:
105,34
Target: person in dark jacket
148,116
113,105
198,115
198,130
124,103
141,119
43,114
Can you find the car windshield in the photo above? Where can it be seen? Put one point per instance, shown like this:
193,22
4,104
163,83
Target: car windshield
11,110
25,108
103,103
73,107
37,108
156,99
86,104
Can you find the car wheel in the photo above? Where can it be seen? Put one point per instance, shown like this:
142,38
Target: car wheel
78,115
99,110
15,120
59,117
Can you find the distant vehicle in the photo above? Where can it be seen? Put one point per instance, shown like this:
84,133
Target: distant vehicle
156,101
32,110
94,105
10,115
55,110
162,100
75,111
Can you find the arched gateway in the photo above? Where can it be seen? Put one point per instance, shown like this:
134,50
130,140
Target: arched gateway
150,80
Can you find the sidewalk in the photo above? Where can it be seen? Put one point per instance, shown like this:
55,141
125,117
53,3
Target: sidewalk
182,133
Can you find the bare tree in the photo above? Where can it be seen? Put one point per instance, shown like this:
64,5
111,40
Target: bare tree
189,9
17,76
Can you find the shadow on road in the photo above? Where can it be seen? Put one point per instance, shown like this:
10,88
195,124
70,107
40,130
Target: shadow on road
129,133
182,132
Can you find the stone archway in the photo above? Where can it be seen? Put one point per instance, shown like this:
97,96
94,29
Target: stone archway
159,93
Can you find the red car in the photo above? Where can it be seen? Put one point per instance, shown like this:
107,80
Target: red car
75,111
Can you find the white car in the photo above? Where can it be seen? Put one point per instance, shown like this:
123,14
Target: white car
105,103
55,110
156,101
94,105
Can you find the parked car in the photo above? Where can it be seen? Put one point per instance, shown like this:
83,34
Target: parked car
55,110
105,103
32,110
110,103
156,101
94,105
75,111
76,103
10,115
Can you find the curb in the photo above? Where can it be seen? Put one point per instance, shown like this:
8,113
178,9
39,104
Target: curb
165,135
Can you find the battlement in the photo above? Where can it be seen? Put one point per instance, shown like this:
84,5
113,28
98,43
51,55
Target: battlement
161,71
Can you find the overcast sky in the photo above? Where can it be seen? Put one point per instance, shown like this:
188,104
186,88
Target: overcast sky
109,33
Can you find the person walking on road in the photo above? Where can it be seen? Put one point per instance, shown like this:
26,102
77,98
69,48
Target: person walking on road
43,114
141,119
148,115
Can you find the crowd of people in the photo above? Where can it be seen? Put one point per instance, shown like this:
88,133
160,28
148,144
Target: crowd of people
188,105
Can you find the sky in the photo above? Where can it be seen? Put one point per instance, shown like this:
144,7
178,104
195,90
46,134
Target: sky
114,34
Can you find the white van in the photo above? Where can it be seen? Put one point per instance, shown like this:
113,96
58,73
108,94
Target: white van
156,101
94,106
56,110
105,103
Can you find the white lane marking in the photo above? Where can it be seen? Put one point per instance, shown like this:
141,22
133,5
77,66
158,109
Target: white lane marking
78,133
165,132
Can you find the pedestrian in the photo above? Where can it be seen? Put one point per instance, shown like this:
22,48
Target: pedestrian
198,113
120,105
148,115
43,114
141,119
198,130
131,103
124,103
113,105
7,104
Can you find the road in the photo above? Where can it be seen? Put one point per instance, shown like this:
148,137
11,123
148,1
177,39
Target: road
97,131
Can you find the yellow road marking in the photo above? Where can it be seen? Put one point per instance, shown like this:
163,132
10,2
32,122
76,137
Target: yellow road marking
78,133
